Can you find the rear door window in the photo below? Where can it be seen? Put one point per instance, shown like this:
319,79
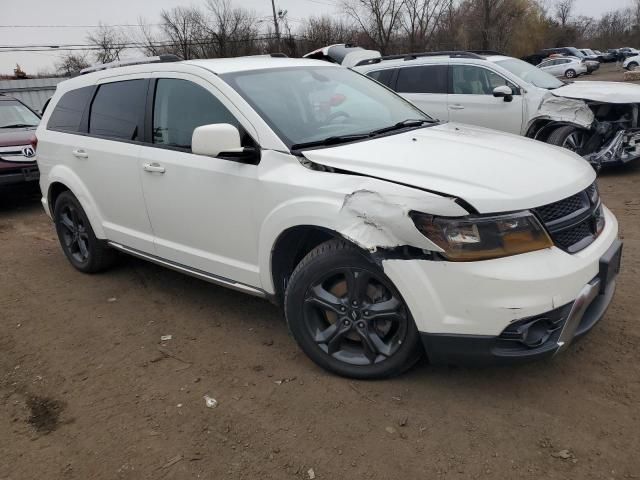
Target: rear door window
117,110
67,114
423,79
180,106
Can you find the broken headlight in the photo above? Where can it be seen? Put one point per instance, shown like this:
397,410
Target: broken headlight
472,238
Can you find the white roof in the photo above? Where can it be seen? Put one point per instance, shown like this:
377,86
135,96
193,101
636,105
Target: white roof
257,62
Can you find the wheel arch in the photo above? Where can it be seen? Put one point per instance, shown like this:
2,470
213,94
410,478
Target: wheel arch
541,128
290,247
62,179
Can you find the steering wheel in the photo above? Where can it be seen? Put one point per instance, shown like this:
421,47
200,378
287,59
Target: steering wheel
336,115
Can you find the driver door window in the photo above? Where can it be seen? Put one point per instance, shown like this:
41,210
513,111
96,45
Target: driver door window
180,107
472,80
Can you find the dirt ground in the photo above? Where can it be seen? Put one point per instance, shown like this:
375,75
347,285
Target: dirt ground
608,72
89,391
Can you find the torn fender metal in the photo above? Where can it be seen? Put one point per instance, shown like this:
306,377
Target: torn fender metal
379,220
569,110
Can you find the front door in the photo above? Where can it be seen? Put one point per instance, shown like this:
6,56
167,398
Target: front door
471,99
200,207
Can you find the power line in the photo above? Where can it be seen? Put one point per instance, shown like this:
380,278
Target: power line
131,45
84,26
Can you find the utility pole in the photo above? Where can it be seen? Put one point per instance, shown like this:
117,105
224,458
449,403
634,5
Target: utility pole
275,23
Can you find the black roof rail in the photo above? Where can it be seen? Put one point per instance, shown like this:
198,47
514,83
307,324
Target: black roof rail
169,57
278,55
413,56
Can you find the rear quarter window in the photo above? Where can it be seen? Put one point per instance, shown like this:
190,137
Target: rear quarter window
385,77
67,114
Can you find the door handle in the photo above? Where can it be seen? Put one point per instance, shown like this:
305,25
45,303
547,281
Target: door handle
154,168
79,153
456,107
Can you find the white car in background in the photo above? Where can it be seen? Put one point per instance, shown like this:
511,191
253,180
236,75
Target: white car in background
631,63
567,67
383,233
598,120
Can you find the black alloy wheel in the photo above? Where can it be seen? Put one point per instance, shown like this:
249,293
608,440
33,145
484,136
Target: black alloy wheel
347,315
77,239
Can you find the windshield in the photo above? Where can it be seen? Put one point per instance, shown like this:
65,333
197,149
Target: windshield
311,104
530,74
14,114
576,52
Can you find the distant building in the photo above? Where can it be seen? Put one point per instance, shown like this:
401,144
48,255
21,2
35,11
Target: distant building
34,92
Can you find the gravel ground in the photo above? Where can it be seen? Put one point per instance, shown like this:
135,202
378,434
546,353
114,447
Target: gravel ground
89,390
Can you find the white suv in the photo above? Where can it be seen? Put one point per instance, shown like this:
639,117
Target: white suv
383,234
597,120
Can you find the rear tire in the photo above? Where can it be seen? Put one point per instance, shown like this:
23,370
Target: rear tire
570,73
77,239
348,317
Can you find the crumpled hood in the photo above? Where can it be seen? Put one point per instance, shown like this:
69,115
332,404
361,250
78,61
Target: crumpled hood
493,171
607,92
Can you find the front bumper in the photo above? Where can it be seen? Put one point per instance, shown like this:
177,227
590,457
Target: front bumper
12,173
473,312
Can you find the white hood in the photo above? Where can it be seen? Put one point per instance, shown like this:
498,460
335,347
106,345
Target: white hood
607,92
493,171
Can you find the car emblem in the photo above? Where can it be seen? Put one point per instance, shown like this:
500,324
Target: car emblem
28,152
354,315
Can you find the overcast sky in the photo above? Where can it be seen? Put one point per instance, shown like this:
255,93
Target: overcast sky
91,12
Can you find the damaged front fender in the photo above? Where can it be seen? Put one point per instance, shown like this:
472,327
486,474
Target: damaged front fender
568,110
375,220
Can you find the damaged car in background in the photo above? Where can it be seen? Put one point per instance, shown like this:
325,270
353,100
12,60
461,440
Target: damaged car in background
383,233
597,120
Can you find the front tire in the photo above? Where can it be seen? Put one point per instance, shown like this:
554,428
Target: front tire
77,239
348,317
632,66
570,73
569,137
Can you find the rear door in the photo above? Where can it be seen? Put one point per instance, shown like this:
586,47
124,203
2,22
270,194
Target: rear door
471,99
426,87
102,150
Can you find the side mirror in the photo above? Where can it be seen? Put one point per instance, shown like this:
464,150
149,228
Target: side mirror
504,92
212,140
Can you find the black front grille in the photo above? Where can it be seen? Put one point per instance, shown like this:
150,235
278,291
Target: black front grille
573,222
554,211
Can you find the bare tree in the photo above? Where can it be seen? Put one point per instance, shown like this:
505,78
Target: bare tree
109,42
564,8
183,28
379,19
325,30
231,30
71,63
420,20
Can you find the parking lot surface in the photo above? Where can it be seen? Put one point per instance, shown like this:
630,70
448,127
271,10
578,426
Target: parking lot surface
88,389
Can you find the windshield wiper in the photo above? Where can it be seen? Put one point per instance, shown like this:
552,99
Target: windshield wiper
409,123
18,125
335,140
338,139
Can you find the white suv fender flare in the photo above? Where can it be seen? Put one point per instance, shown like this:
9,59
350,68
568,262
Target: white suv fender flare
64,175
